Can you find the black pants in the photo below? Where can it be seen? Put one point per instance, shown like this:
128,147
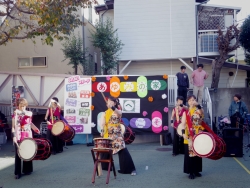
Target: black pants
191,164
125,161
57,143
27,165
182,91
178,146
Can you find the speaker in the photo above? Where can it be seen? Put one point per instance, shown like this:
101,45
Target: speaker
233,138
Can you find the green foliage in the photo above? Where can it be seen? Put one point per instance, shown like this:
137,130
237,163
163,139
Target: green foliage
245,34
245,38
106,39
51,19
73,50
247,58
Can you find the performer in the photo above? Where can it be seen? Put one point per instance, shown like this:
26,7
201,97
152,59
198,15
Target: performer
192,163
112,128
176,119
21,129
54,111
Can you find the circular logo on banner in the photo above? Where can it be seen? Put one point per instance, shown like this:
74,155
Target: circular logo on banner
114,86
129,106
142,86
128,86
101,86
156,122
140,123
155,84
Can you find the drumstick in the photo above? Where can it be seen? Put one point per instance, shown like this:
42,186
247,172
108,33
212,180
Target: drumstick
103,96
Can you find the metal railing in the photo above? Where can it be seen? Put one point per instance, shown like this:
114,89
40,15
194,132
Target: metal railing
172,90
208,101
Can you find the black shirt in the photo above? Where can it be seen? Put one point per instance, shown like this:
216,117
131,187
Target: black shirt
182,79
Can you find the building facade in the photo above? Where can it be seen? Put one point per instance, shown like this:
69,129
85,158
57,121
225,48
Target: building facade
26,56
160,37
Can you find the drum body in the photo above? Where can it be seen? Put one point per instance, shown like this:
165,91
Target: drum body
63,131
179,129
208,145
129,135
102,143
34,149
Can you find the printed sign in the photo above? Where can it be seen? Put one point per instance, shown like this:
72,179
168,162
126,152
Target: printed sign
130,105
71,87
78,103
71,102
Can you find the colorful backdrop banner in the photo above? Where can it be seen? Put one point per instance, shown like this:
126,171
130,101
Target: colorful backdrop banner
141,100
77,103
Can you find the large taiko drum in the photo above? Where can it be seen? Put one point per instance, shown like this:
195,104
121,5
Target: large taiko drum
63,131
34,149
102,143
208,145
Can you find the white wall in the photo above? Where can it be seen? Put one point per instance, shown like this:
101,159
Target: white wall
155,30
171,67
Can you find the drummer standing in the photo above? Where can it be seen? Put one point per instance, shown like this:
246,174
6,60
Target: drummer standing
112,128
192,163
178,116
54,112
21,129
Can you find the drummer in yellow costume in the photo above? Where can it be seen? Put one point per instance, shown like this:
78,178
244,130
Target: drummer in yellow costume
192,163
114,129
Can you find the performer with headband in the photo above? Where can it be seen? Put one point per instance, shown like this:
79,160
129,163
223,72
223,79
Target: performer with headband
180,117
112,128
21,129
192,163
54,112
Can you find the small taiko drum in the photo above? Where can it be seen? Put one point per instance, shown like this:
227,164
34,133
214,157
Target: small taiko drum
129,135
208,145
34,149
63,131
102,143
179,128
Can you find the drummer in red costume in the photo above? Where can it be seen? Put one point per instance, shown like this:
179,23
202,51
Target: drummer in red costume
176,119
192,163
54,111
21,129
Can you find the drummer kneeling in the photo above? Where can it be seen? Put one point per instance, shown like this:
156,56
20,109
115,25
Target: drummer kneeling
21,129
113,129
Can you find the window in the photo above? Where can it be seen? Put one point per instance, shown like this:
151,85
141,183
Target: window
95,61
209,43
90,14
32,62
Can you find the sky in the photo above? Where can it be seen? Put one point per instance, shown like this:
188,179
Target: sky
243,4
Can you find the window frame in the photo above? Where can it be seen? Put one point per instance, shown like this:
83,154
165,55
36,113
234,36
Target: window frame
31,62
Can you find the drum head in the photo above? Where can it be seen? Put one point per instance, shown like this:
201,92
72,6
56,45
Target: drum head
179,129
203,144
57,128
28,149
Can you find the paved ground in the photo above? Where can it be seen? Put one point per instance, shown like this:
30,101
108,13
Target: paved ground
73,169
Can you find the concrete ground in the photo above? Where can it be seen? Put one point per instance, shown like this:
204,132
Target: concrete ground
73,169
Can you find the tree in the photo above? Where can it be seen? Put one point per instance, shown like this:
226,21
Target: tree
247,58
27,19
225,46
245,38
106,39
73,50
